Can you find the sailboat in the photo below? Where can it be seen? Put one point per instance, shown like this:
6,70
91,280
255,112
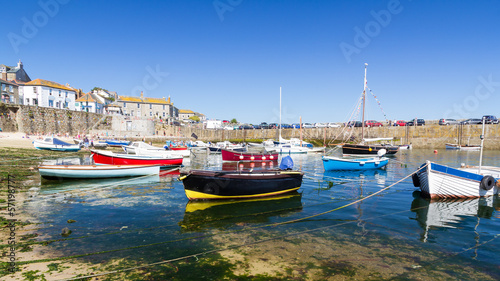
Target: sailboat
459,145
288,146
367,149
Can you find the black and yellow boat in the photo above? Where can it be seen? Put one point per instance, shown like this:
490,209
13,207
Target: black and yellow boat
244,184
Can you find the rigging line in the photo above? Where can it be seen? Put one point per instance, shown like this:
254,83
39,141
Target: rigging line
233,247
346,125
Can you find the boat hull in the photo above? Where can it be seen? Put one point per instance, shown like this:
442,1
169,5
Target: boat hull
93,171
42,145
116,143
358,149
200,184
230,155
344,164
463,147
110,158
440,181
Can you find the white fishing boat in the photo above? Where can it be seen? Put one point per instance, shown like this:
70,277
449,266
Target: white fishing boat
463,147
96,171
143,149
55,144
440,181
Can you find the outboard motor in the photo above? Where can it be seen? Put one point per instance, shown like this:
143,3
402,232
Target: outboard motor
286,163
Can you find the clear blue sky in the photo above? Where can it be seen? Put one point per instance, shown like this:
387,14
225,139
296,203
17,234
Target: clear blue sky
229,58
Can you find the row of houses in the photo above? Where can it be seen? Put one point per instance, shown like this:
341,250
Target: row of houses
17,88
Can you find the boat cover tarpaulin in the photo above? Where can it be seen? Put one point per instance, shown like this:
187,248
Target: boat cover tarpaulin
57,141
286,163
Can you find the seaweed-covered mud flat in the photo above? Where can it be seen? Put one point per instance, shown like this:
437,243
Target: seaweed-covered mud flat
146,229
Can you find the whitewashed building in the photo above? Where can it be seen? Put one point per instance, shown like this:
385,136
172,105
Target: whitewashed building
49,94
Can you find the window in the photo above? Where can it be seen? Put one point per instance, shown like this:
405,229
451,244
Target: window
151,106
3,87
11,89
35,101
66,95
132,113
163,114
138,105
50,92
163,107
51,103
27,101
34,90
151,113
124,104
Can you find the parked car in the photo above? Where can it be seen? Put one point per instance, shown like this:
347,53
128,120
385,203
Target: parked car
256,126
448,121
264,125
399,123
420,122
490,119
373,123
286,126
320,125
333,125
472,121
273,125
355,124
245,127
296,125
307,125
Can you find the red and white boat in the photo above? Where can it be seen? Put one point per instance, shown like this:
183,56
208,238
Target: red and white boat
111,158
230,155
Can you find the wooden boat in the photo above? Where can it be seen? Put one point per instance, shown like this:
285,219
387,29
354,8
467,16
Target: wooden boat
231,155
142,148
331,163
463,147
201,184
111,158
96,171
55,144
440,181
367,150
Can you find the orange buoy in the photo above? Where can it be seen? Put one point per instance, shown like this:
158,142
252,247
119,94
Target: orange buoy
435,151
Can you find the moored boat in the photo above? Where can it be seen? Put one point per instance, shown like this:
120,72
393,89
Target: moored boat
116,143
55,144
201,184
231,155
111,158
441,181
96,171
359,149
331,163
142,148
463,147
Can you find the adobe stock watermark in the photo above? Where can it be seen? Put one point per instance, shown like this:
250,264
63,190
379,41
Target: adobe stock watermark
30,27
471,103
363,37
223,6
151,80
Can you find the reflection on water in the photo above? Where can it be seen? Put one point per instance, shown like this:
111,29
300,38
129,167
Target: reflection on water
452,213
203,215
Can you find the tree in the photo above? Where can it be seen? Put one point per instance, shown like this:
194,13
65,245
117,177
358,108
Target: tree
98,89
195,118
233,121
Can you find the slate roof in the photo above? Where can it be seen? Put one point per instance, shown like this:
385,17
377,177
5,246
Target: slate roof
89,97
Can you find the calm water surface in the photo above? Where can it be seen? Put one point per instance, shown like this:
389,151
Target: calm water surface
393,234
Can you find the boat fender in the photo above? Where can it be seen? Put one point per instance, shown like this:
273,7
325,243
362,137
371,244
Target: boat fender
241,157
263,157
487,182
416,180
271,157
211,188
252,158
286,163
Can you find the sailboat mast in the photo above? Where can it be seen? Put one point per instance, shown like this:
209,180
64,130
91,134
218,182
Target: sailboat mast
279,139
481,152
363,114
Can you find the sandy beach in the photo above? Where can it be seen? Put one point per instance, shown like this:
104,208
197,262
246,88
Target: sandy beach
20,140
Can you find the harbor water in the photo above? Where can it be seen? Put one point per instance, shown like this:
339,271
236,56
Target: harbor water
330,229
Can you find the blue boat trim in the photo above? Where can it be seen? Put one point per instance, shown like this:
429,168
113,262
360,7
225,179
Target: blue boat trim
455,172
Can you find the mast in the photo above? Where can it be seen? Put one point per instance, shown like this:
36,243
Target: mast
363,115
481,154
279,139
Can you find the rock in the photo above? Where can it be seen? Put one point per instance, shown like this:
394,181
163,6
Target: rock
65,232
71,221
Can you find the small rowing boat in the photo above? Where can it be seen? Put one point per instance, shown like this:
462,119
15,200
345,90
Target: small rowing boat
96,171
